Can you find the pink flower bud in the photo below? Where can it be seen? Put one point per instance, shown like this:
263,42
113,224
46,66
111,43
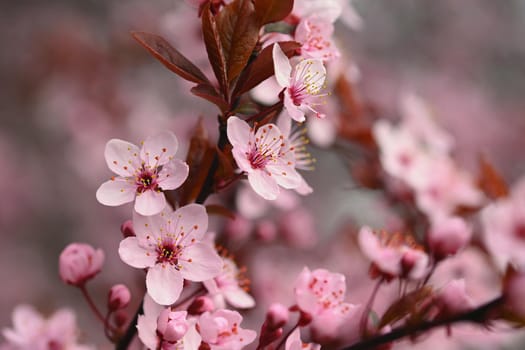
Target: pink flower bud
277,315
172,325
118,297
127,229
200,305
453,299
266,230
448,236
79,262
120,318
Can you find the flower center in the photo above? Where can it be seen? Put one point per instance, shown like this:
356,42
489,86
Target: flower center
147,180
167,252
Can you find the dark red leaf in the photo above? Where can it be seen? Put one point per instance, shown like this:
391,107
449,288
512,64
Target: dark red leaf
490,180
269,11
209,93
262,67
239,33
170,57
214,47
406,305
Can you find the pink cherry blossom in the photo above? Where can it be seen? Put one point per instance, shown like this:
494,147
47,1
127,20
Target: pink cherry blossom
393,255
315,37
504,228
79,262
266,156
161,328
320,293
31,331
142,173
221,330
302,85
447,236
229,286
169,245
294,342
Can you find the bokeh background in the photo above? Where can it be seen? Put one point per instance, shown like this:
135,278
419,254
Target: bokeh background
71,78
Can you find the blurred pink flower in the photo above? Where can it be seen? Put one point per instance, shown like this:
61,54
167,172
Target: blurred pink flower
221,330
294,342
448,235
453,299
119,297
143,173
302,85
229,286
315,37
169,244
265,155
32,332
504,228
320,293
79,262
393,255
328,10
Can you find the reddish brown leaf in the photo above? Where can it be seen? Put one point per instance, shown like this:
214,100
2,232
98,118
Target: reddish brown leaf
200,157
215,209
170,57
262,67
490,180
405,306
239,33
209,93
269,11
214,47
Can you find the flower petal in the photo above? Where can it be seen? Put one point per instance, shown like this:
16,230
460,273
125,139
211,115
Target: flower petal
191,219
147,332
286,176
159,149
238,298
173,174
164,284
281,65
133,254
264,184
122,157
117,191
200,262
269,137
241,159
294,111
150,202
238,132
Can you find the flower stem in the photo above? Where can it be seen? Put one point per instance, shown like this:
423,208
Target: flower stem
126,339
478,315
91,304
363,324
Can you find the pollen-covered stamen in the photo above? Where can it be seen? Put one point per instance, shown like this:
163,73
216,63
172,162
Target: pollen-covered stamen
264,149
168,252
146,179
306,83
298,142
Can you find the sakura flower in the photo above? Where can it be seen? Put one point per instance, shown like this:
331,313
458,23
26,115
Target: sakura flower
169,245
31,331
393,255
266,156
315,37
320,293
221,330
161,328
294,342
142,173
230,286
504,228
302,85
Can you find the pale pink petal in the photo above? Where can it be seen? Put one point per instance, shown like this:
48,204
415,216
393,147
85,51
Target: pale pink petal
150,225
294,111
238,132
241,159
150,202
285,125
192,339
164,284
200,262
282,67
191,219
211,286
134,255
116,192
285,176
173,174
147,332
238,298
304,189
26,320
270,138
264,184
159,149
122,157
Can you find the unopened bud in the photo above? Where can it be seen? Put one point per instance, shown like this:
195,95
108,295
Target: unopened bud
277,316
127,229
79,262
172,325
118,297
448,236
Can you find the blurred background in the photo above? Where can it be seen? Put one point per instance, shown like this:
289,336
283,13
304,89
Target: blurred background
72,78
